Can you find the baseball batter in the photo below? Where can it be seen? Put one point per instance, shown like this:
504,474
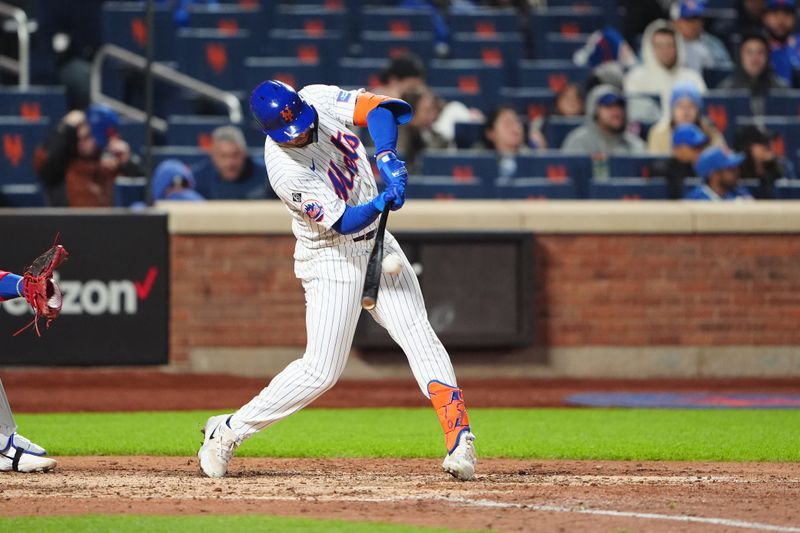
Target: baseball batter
17,453
321,171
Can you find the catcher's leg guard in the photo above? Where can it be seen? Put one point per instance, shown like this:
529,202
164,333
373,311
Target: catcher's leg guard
449,404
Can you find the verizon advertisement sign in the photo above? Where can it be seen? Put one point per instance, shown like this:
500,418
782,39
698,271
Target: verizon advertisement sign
114,284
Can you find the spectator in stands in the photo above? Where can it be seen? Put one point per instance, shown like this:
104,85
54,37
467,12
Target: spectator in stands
686,107
761,162
719,168
230,173
754,72
568,101
751,13
81,158
780,20
662,59
688,142
419,135
504,133
173,180
604,129
703,50
641,108
401,75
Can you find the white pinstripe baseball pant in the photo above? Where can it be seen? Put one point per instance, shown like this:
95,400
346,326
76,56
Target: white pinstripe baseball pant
333,278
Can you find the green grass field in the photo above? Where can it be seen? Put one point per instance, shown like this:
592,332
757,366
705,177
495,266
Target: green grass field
631,434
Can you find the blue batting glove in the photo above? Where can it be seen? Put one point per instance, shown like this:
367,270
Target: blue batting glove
392,169
380,201
399,192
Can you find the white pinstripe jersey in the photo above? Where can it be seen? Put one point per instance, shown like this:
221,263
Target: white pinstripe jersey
316,181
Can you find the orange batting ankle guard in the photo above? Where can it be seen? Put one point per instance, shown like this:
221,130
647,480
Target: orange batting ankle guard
449,404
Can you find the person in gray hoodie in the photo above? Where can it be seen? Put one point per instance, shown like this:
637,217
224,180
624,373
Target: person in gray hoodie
604,130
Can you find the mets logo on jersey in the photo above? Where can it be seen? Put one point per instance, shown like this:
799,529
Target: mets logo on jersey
313,209
287,115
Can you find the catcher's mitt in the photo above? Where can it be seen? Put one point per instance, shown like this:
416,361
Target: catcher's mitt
39,288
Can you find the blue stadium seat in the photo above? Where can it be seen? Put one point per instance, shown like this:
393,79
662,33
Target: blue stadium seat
557,128
486,22
609,8
285,69
565,21
124,25
23,195
532,103
468,134
724,108
228,18
536,189
713,76
189,155
501,50
561,47
397,21
323,52
460,166
783,103
360,71
469,77
478,101
553,75
312,20
133,133
446,188
629,189
787,130
640,166
191,130
19,138
788,189
34,102
558,168
213,57
385,44
128,191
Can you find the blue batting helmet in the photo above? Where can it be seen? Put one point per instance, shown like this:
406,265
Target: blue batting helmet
281,113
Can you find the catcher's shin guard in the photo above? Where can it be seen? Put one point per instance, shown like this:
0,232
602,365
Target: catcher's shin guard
449,404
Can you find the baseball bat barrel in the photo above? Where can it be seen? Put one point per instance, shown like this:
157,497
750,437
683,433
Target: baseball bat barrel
369,296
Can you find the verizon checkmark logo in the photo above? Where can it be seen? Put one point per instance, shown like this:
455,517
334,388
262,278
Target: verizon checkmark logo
143,288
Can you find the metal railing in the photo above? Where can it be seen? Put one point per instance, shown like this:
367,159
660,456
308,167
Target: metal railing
159,71
21,66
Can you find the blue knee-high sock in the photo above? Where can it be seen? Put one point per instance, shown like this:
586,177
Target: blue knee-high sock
9,285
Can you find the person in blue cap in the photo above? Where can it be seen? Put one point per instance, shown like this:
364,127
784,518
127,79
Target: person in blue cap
688,142
703,50
719,168
685,107
780,20
173,180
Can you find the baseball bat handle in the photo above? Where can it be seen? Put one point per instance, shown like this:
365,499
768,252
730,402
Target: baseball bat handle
372,281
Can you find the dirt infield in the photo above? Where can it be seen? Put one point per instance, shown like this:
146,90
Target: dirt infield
507,496
58,390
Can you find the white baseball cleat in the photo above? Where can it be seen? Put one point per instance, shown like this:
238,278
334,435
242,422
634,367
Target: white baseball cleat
460,463
218,445
21,455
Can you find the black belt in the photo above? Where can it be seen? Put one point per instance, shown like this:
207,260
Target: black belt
366,237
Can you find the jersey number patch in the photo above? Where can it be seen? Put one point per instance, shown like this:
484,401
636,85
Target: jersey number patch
344,179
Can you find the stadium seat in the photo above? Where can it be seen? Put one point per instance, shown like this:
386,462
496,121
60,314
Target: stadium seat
189,155
787,189
565,21
560,47
322,52
629,189
536,189
312,20
557,128
461,166
713,76
229,18
33,103
213,57
357,72
124,25
640,166
531,103
486,22
397,21
553,75
724,107
470,100
191,130
129,190
558,168
22,195
20,137
446,188
133,133
469,77
285,69
468,134
501,50
786,129
386,44
783,103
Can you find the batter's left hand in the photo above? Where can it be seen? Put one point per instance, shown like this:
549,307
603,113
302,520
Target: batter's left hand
393,171
399,191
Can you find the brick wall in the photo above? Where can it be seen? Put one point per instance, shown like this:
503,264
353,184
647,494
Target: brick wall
592,290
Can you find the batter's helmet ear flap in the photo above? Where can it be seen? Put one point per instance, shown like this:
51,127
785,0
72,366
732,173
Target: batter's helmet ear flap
281,113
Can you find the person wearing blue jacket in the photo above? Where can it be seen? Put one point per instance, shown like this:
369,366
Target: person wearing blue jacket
780,20
719,168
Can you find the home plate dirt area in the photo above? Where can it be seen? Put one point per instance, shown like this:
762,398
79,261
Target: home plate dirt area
507,495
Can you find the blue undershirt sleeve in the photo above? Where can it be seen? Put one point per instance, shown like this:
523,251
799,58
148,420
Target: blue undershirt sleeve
382,127
10,286
356,218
